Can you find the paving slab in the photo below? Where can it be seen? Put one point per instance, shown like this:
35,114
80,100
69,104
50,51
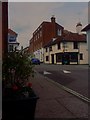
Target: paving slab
54,102
52,109
76,106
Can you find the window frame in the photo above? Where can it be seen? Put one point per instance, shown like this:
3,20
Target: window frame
11,47
59,57
59,32
75,45
59,45
47,58
46,49
81,56
50,48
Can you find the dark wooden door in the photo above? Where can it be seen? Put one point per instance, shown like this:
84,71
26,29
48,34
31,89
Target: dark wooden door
52,56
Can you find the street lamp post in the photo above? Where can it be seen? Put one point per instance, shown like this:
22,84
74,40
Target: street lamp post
63,51
65,56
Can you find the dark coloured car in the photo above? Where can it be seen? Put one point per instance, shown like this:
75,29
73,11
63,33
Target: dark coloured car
35,61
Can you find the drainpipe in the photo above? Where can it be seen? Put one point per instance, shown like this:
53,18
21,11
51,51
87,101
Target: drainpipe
49,54
53,21
78,53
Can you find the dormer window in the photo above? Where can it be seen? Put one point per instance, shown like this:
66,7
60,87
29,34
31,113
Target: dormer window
59,32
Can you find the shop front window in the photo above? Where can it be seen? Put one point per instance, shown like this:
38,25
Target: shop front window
59,57
73,57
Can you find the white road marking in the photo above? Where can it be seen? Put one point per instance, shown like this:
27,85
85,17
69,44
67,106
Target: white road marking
46,73
86,99
65,71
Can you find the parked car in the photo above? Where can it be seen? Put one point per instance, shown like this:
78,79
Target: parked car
35,61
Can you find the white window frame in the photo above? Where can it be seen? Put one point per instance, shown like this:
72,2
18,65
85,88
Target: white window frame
59,32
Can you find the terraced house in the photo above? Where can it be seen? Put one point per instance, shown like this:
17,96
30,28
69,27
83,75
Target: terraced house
59,46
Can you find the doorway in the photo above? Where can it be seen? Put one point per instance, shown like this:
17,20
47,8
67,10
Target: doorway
65,59
52,58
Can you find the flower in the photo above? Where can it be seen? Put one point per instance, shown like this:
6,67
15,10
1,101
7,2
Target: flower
29,84
15,87
17,68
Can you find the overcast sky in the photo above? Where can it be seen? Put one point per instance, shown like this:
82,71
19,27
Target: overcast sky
25,17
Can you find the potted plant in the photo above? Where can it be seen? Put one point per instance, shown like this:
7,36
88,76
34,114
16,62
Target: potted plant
18,97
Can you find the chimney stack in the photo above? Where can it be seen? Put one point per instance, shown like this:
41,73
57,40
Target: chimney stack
79,28
53,19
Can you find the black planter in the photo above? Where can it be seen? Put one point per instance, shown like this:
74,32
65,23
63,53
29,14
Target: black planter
19,109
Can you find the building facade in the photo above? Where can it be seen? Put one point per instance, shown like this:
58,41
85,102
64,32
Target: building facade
54,45
71,48
42,35
12,41
87,29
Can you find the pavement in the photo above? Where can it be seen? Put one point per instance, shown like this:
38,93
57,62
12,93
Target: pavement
54,102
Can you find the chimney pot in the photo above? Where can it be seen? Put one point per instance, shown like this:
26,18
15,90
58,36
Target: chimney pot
53,19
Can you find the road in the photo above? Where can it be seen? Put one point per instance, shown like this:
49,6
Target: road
74,77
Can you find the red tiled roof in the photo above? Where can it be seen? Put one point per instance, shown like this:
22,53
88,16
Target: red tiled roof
12,32
68,37
74,37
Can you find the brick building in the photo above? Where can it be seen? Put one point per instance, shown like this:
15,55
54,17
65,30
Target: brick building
42,35
52,44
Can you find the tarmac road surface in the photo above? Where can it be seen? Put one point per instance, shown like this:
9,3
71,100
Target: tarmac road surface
74,77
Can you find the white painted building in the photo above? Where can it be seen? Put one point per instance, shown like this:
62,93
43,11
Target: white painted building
57,46
87,29
39,54
73,50
12,41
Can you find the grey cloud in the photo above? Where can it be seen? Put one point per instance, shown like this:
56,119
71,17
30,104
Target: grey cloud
25,17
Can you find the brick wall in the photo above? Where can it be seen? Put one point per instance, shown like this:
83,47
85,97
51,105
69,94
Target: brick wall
49,31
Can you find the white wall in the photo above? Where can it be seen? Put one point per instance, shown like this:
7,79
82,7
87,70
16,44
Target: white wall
39,54
84,50
13,41
88,41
